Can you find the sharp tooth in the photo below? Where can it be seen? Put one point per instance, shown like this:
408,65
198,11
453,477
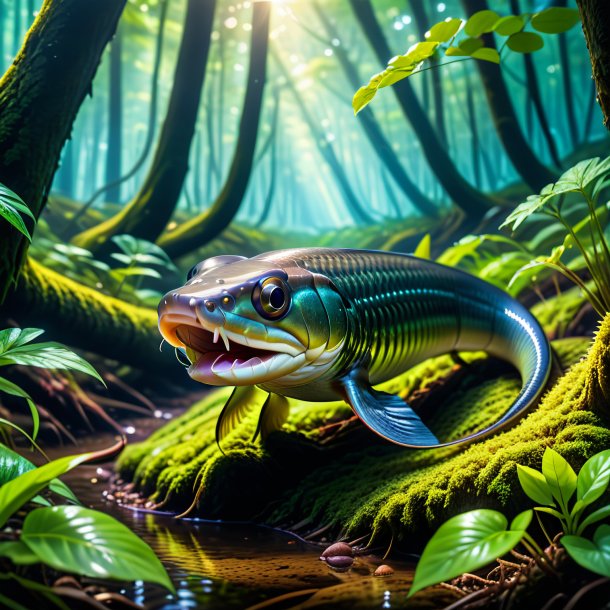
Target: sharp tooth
216,334
225,338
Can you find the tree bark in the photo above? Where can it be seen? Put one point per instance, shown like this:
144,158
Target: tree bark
473,202
372,129
115,119
150,210
595,15
199,230
527,164
39,97
87,319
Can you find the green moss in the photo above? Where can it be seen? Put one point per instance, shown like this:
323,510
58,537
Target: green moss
556,314
356,482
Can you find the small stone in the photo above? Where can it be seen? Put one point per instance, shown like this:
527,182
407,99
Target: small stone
384,570
338,549
340,562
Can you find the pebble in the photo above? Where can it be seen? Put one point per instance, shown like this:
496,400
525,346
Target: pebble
384,570
340,562
338,549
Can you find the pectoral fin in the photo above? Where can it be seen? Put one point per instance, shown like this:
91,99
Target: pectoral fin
240,402
273,415
386,414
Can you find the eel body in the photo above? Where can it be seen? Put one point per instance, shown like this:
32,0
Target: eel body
321,324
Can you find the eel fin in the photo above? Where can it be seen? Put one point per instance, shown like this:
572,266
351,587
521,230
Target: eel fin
242,400
386,414
273,415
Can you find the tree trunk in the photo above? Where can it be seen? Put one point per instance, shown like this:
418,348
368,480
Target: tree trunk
473,202
86,318
150,210
595,15
199,230
40,95
115,122
372,129
527,164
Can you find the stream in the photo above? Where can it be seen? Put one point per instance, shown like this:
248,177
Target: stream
232,565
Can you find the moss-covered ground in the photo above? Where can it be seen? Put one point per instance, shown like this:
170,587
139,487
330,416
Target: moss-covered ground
326,471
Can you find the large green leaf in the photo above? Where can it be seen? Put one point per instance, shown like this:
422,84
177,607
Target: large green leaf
525,42
481,22
509,25
444,31
89,542
14,337
48,355
555,20
18,553
14,390
11,209
559,475
593,478
14,494
592,555
535,486
594,517
13,465
465,543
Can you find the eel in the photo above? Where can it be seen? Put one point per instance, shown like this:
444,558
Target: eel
322,324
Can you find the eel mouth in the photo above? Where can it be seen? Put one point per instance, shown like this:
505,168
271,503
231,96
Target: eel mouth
223,357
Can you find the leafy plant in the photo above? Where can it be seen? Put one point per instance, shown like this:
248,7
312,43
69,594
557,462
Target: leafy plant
469,541
12,209
72,538
464,39
16,348
587,180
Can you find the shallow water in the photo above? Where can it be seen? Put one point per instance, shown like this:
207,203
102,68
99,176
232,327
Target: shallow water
231,565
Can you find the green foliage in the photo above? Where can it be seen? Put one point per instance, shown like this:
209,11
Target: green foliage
586,182
84,541
13,465
69,538
443,37
471,540
12,208
467,542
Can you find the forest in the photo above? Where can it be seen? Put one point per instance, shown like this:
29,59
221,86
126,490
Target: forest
141,137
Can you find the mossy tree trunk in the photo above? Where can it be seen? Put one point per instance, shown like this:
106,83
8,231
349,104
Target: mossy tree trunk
471,201
40,95
523,158
151,208
595,16
207,225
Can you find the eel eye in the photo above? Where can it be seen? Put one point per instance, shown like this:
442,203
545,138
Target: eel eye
193,271
271,298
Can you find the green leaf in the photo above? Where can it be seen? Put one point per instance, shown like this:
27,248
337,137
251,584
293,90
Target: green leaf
465,543
14,337
559,475
15,493
89,542
366,93
555,20
131,271
509,25
13,465
535,486
414,56
525,42
48,355
11,209
593,478
18,553
14,390
481,22
549,511
592,555
594,517
132,245
423,247
522,521
486,54
444,31
465,48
